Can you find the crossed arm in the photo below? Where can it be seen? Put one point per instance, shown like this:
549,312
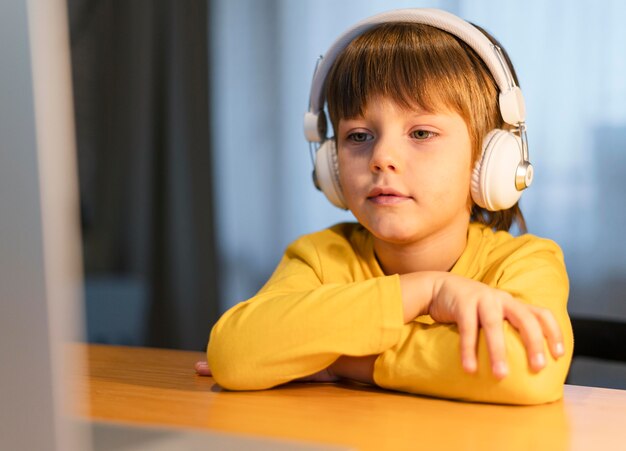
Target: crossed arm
484,343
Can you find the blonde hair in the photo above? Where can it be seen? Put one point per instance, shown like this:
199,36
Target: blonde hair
417,65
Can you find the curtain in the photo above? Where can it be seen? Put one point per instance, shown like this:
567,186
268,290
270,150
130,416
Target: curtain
141,87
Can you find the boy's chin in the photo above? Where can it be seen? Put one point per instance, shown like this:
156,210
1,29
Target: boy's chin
394,235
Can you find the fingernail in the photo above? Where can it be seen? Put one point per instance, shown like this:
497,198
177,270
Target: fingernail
500,369
538,360
469,365
558,348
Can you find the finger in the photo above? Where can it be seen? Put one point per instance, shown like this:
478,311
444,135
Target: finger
529,328
468,335
551,330
202,369
491,321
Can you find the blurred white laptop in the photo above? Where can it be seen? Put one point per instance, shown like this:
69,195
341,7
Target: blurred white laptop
40,252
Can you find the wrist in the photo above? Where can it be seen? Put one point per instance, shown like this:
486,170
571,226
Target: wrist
418,290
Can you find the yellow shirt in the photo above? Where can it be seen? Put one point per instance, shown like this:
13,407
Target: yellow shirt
329,297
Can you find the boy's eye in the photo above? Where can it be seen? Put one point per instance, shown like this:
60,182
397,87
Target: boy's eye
422,134
359,137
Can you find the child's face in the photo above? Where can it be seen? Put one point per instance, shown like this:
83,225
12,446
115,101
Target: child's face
405,174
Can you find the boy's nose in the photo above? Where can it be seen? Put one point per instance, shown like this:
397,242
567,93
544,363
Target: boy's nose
383,159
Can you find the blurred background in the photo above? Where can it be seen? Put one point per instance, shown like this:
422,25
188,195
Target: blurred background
195,175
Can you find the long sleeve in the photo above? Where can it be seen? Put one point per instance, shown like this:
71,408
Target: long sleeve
319,304
426,359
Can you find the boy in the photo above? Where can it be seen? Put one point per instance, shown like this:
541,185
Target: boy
399,298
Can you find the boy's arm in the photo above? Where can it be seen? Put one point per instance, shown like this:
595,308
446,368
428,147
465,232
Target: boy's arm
427,359
297,326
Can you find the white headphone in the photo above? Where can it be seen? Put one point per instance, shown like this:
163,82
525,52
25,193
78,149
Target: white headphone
501,173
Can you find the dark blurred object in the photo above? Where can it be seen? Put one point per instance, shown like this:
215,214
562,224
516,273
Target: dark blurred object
600,339
599,353
140,72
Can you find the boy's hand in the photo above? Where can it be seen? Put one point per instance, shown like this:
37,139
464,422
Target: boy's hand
471,304
202,368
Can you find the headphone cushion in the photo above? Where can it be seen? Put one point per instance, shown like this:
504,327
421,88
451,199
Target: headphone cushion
327,173
493,177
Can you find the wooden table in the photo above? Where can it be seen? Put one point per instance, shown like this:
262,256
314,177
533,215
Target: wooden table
159,387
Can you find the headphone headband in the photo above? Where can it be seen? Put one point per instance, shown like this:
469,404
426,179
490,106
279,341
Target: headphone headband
512,107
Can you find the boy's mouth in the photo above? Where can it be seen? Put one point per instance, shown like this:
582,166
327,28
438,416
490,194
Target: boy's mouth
386,195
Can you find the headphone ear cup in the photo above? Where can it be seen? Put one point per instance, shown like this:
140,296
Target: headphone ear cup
327,173
493,178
